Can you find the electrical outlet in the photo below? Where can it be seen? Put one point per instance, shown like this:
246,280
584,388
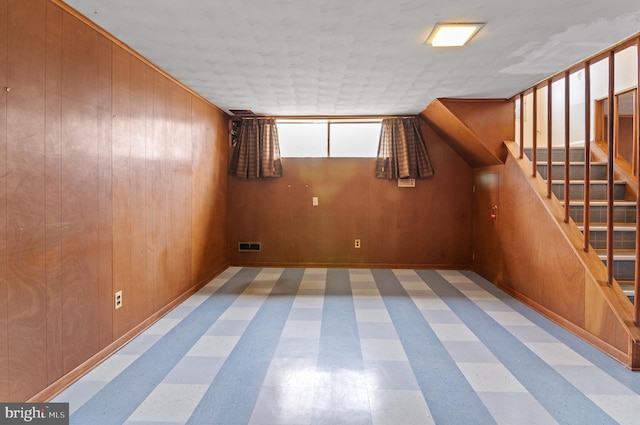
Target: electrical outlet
356,243
118,299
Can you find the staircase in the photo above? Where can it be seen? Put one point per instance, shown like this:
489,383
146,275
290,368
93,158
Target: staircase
624,228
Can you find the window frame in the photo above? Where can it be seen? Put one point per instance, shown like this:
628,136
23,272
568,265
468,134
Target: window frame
329,122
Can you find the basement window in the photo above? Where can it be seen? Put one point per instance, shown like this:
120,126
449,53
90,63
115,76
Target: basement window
329,138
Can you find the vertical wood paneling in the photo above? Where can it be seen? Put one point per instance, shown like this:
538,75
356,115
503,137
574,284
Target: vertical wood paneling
331,237
539,269
80,245
53,192
121,195
25,198
179,229
171,126
4,343
217,254
487,251
209,207
97,172
430,224
357,223
157,270
383,245
299,215
142,305
105,233
148,184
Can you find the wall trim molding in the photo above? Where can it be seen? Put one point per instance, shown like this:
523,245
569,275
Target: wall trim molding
581,333
355,265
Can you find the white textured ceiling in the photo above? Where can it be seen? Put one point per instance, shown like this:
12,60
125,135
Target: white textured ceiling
342,57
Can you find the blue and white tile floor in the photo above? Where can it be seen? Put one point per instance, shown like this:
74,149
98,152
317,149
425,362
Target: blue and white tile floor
354,346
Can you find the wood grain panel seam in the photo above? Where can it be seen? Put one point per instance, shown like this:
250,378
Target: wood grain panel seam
4,290
57,111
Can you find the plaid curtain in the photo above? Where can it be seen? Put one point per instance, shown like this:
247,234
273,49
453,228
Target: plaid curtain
256,153
402,152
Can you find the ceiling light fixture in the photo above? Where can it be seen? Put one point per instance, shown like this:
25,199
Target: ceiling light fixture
453,35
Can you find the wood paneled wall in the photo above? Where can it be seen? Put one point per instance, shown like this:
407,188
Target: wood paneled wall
526,248
110,179
537,259
532,254
4,291
475,128
429,225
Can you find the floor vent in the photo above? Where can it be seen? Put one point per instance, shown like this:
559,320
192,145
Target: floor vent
249,246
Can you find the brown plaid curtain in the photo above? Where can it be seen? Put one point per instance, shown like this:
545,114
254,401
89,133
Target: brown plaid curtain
256,153
402,152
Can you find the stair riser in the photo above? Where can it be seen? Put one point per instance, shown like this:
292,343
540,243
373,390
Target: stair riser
598,213
576,171
557,154
621,239
623,269
598,191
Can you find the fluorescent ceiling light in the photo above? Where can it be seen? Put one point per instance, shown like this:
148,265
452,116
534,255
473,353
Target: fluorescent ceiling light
453,35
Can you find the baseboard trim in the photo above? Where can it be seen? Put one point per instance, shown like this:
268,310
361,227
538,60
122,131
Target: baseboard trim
79,371
353,265
581,333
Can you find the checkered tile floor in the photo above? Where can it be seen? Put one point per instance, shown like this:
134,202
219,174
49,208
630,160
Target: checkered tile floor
354,346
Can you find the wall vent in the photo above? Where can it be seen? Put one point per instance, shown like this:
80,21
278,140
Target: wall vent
406,182
249,246
242,112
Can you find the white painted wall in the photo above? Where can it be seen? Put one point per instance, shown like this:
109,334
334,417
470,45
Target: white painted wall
626,74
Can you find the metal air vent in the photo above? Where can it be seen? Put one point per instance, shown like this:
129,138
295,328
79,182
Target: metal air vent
249,246
242,112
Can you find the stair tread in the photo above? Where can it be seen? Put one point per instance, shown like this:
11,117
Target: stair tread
626,227
556,162
627,286
592,181
571,163
598,203
618,254
629,292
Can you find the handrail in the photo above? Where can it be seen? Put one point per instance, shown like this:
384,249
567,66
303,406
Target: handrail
609,130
